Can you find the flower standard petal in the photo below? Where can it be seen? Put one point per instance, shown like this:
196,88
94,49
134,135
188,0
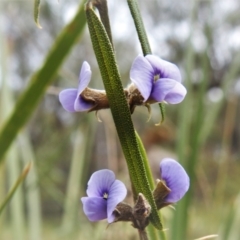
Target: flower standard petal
168,90
142,75
164,68
95,208
175,178
100,183
67,98
84,77
117,193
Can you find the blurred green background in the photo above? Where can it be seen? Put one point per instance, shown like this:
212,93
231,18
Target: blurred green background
203,133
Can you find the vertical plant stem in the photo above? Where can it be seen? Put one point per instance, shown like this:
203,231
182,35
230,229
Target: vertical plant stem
102,7
154,234
214,110
225,152
71,205
120,110
32,189
15,187
145,161
142,35
146,49
179,221
13,163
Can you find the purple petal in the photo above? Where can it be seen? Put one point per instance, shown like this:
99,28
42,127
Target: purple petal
95,208
84,77
176,179
80,105
100,183
164,68
67,98
116,195
142,75
168,90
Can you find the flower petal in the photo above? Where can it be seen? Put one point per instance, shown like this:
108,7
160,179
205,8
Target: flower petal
80,105
175,178
95,208
169,90
67,98
117,193
164,68
100,183
142,75
176,95
84,77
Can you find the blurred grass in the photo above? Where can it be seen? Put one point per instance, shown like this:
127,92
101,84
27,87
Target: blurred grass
34,218
82,144
41,79
13,165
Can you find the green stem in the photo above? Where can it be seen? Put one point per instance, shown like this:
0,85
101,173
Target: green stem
145,161
151,230
15,186
142,35
102,7
120,109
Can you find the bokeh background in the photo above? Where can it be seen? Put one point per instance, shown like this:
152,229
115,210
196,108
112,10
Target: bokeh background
203,132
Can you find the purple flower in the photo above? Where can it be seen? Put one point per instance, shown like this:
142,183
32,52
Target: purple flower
104,193
71,99
175,178
157,80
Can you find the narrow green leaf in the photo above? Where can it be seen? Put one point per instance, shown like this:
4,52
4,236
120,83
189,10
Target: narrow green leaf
15,186
41,79
32,193
120,110
102,7
145,161
36,12
153,233
13,168
230,224
71,205
135,11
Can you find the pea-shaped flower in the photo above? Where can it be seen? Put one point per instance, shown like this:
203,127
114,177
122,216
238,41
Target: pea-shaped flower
173,185
157,80
71,98
104,193
175,178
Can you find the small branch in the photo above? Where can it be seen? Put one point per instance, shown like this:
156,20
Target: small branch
134,8
102,7
142,235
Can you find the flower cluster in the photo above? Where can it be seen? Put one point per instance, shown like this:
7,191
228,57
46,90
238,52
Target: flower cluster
153,80
105,193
